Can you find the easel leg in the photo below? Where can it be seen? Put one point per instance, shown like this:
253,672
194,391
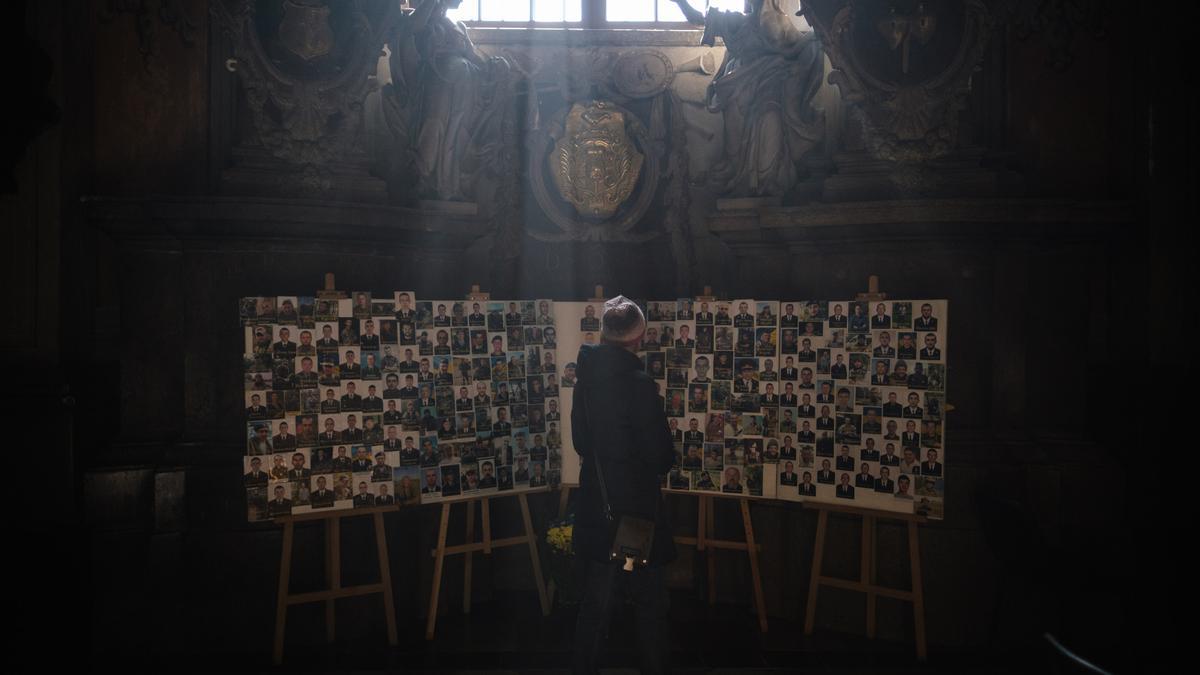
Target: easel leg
333,572
385,575
469,557
438,559
285,573
814,581
710,555
752,549
914,557
533,555
486,513
867,570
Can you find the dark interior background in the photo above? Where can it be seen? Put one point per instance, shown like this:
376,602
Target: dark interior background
130,234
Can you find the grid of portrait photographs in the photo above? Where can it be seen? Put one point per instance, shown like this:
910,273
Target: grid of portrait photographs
833,401
379,399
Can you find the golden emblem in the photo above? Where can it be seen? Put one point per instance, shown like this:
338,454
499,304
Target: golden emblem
595,164
304,29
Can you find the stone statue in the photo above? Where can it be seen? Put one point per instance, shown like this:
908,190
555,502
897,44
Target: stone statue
764,91
445,100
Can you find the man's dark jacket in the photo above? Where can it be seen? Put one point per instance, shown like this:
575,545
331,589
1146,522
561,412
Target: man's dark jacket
625,429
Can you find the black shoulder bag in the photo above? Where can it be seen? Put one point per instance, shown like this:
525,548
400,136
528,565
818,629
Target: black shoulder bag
632,535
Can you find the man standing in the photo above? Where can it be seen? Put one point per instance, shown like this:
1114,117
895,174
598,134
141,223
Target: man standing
618,421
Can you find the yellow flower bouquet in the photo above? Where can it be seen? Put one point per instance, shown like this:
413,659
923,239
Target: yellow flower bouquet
560,561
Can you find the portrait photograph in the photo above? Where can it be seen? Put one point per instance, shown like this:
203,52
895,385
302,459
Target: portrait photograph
406,485
766,313
789,341
790,313
720,395
765,342
327,309
723,315
677,377
675,402
837,317
745,344
743,313
713,455
451,480
732,481
679,357
856,342
703,480
685,309
754,480
305,310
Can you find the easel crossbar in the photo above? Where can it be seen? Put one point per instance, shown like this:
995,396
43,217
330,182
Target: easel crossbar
715,543
345,592
484,546
849,585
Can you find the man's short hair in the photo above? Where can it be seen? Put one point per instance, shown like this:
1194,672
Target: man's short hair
622,321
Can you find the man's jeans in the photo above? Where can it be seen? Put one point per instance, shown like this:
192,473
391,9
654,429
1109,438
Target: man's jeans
647,588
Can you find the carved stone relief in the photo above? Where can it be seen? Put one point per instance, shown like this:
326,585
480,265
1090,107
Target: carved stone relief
905,66
305,66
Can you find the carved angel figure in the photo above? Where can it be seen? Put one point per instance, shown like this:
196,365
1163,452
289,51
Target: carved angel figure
442,99
764,90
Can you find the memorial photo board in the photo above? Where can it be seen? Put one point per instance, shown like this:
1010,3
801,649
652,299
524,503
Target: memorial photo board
367,399
837,401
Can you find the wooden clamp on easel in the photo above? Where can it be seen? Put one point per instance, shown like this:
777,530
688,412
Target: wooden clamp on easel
866,582
333,559
705,539
470,546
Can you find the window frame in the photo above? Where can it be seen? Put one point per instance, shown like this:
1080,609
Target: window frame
593,12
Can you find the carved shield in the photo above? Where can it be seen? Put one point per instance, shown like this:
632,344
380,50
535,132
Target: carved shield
304,29
595,164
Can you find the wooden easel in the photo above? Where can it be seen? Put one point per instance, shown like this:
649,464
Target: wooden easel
333,572
705,540
333,556
486,545
468,548
866,582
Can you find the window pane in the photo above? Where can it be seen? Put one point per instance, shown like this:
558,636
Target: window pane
574,10
504,10
669,11
629,10
731,5
467,11
557,10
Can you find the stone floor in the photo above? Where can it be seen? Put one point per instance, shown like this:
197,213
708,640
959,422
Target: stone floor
511,636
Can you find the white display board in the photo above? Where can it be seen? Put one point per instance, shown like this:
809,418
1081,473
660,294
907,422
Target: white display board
376,399
839,401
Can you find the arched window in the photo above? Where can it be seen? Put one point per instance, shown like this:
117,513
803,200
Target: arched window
580,13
